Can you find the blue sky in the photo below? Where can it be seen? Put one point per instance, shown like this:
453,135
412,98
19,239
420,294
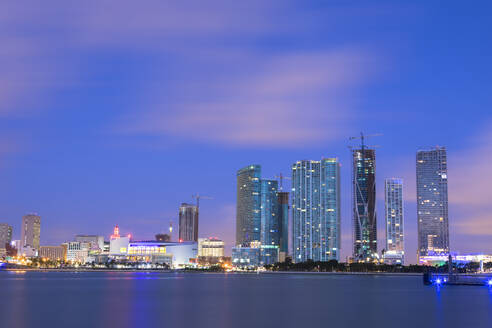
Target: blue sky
116,112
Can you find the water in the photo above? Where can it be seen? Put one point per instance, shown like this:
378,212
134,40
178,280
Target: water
108,299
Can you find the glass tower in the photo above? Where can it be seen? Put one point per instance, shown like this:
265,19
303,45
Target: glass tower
270,225
364,204
432,202
393,192
316,210
188,222
248,205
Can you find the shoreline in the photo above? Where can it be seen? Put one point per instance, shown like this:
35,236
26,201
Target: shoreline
83,270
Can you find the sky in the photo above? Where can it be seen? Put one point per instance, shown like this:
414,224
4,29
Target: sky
115,112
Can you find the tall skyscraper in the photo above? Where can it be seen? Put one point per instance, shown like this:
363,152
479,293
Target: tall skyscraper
283,213
5,237
30,231
432,202
188,222
393,195
248,205
364,204
316,210
270,225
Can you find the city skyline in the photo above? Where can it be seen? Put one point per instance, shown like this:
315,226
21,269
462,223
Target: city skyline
105,122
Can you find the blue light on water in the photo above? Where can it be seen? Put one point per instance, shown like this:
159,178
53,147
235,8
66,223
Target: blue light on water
489,283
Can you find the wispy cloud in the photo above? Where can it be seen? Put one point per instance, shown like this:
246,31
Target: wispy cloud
285,100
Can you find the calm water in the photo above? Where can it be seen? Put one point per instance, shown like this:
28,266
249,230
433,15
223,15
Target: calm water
97,299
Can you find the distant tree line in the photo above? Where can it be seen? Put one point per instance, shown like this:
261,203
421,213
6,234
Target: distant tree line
335,266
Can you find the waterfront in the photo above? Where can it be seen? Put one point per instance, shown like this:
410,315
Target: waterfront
153,299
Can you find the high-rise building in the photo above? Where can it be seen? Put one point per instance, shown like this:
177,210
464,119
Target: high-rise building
393,195
188,222
30,232
316,210
248,211
364,204
5,234
432,202
5,237
283,213
270,227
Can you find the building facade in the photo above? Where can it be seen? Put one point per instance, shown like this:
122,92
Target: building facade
210,247
176,255
432,202
96,242
246,257
77,251
248,205
283,213
364,205
54,253
188,222
30,233
316,210
5,237
393,195
270,225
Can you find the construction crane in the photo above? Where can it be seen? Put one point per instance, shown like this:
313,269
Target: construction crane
198,197
281,178
362,137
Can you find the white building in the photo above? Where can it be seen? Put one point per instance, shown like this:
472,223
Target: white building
393,192
96,242
210,247
77,251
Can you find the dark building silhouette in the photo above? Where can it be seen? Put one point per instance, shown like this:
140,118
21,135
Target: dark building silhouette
188,222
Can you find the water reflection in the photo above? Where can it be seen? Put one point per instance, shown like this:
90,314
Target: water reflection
140,299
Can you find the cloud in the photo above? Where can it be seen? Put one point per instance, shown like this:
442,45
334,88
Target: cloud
470,179
285,100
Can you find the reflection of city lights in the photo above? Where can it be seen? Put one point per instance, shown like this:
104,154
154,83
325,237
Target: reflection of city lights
489,283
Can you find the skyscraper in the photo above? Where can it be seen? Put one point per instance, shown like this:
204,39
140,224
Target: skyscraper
283,219
5,237
364,204
248,205
270,225
316,210
30,232
393,195
432,202
188,222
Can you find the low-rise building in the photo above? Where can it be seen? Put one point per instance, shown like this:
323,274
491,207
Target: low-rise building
77,251
96,242
53,252
393,257
442,258
210,247
246,257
